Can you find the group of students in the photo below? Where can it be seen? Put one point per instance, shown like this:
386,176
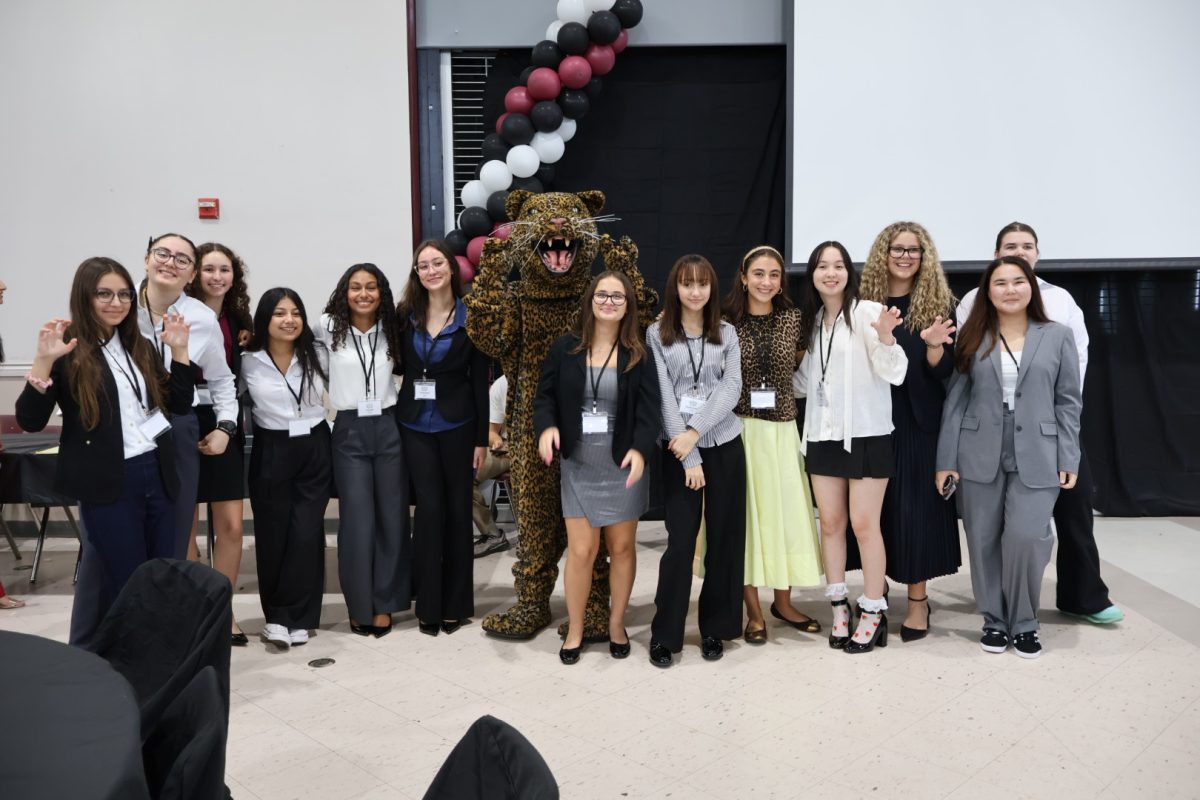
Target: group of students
883,439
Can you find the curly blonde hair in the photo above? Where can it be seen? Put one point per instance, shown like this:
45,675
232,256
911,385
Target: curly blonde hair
931,295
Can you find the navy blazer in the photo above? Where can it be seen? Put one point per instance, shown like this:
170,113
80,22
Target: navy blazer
561,391
91,463
461,378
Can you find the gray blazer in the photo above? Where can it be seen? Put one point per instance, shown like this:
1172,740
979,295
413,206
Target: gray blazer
1048,404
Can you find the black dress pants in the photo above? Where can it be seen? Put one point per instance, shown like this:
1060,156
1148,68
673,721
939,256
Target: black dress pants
443,558
290,484
1081,590
723,500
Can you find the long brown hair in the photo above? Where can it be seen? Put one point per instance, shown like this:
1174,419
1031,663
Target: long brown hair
83,365
415,302
736,305
236,302
690,268
983,320
628,335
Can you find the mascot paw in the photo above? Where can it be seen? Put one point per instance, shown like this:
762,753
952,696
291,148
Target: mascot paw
519,622
595,626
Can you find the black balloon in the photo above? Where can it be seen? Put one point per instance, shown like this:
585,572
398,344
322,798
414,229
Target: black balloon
545,174
629,12
546,116
456,240
530,184
495,205
475,222
604,27
573,39
574,103
517,129
525,73
593,88
546,54
494,148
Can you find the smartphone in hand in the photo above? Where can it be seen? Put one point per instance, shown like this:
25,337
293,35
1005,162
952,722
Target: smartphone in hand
949,487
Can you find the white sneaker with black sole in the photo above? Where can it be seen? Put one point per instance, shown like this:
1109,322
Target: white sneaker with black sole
993,641
1026,645
298,636
277,634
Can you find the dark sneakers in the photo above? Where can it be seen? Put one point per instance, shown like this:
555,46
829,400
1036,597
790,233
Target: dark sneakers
993,641
1027,645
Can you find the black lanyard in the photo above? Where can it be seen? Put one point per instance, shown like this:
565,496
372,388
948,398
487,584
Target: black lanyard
129,376
433,340
687,342
368,374
159,346
295,395
595,379
1010,353
826,357
762,351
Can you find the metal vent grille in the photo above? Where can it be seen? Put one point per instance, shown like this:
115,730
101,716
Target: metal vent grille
468,75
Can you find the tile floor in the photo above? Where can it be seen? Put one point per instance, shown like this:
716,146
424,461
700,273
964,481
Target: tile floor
1106,713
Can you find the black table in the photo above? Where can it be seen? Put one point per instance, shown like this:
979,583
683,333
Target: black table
27,476
71,721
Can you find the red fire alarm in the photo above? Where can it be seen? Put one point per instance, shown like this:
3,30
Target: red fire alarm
210,208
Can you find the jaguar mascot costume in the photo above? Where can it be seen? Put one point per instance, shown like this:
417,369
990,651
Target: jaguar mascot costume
554,244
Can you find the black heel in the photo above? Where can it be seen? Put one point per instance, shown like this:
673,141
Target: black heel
429,628
908,634
878,638
838,642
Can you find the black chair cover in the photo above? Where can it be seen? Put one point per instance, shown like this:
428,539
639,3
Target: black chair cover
493,761
185,756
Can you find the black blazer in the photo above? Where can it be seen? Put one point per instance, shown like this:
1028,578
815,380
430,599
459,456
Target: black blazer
462,383
561,392
91,464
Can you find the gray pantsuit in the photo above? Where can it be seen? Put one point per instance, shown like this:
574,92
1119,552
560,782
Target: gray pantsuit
374,548
1009,463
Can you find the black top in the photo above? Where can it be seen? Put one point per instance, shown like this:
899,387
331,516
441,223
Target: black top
91,463
560,396
923,392
462,382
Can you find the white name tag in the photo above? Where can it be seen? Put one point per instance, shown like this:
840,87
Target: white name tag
203,396
425,390
370,408
822,396
594,422
154,425
299,427
691,404
762,398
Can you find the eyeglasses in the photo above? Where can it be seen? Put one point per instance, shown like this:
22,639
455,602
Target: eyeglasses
162,255
898,252
425,266
106,296
616,298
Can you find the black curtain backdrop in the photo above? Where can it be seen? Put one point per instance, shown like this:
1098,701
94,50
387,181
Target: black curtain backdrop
687,143
1141,397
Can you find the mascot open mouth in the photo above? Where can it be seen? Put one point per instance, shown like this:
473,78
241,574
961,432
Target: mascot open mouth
558,253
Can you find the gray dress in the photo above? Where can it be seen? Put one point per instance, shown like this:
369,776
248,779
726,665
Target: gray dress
593,486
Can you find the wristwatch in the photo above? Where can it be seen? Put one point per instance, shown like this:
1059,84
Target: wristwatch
228,426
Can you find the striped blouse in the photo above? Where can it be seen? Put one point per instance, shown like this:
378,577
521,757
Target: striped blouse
720,382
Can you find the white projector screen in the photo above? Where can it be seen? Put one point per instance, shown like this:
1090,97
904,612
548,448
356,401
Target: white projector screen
1080,117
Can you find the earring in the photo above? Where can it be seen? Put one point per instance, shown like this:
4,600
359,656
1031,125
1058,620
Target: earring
744,289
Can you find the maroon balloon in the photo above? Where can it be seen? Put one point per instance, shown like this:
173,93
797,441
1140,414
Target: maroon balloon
622,41
503,231
475,249
544,84
518,100
575,72
500,120
601,57
466,270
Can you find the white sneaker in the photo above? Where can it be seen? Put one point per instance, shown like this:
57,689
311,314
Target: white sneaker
277,634
298,636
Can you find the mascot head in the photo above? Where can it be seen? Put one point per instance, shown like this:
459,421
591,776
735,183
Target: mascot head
554,240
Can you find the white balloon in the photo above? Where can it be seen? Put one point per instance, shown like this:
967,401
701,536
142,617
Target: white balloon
573,11
566,130
474,193
549,146
495,177
552,31
523,161
597,5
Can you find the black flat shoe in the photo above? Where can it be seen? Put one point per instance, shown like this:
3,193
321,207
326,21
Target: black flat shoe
807,625
569,655
239,639
908,634
838,642
878,636
619,649
660,655
429,628
450,626
711,648
362,630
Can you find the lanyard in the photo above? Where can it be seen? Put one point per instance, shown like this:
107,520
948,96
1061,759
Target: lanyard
595,379
158,344
368,374
295,395
137,389
762,350
826,357
1010,353
433,340
695,367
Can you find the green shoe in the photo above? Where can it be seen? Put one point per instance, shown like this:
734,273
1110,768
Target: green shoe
1106,617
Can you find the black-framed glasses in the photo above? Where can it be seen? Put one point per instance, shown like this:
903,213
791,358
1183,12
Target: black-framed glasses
162,255
900,252
122,296
616,298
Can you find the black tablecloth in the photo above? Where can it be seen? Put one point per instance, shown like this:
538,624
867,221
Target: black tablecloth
71,724
26,477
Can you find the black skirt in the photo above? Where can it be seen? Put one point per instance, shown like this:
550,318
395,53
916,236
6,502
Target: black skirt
221,477
869,457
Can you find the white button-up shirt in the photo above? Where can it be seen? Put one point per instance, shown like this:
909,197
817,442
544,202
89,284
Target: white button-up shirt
206,349
350,365
133,412
274,393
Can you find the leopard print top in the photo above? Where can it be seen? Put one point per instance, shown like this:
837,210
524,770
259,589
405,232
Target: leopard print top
770,347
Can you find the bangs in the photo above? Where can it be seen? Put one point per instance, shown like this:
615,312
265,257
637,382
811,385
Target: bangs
697,271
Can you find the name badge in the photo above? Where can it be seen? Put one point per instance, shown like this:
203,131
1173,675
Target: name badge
762,398
595,422
691,404
425,390
203,396
370,408
299,427
154,425
822,397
